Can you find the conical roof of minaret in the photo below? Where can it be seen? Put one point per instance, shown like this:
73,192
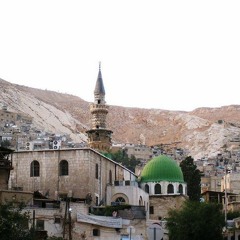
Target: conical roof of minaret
99,88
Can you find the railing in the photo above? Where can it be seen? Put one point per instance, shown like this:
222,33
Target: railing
125,183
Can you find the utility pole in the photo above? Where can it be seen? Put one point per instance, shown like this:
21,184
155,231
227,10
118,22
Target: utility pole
33,225
67,220
225,201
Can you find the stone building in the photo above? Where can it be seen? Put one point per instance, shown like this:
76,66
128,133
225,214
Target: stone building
86,178
78,193
87,181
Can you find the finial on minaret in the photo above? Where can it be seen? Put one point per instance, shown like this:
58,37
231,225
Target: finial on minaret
99,66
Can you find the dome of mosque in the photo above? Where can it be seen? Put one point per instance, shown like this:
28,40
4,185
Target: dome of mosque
162,168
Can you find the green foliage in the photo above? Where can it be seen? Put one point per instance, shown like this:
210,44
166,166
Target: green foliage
122,157
231,215
55,238
6,143
196,221
14,222
108,210
192,177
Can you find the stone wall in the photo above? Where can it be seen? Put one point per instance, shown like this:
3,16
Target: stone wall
162,204
81,179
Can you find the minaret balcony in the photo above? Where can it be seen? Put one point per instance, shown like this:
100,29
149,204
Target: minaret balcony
98,107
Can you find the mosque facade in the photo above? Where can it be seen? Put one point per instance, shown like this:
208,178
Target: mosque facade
79,193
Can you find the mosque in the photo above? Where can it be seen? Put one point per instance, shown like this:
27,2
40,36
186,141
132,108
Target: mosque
79,193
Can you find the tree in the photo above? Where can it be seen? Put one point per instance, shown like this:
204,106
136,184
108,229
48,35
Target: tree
192,177
5,143
14,222
196,221
122,157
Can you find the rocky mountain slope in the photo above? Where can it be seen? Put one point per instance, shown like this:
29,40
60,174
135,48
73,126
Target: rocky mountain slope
204,131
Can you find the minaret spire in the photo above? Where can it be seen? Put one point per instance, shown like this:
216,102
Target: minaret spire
99,137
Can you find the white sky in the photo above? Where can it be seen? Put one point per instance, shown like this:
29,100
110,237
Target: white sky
174,55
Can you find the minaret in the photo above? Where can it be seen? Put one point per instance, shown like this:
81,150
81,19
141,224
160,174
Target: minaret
99,137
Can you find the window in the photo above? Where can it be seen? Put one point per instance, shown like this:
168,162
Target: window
124,237
40,224
57,220
63,168
110,177
96,200
170,188
34,169
127,183
120,200
96,171
157,189
96,232
180,188
151,210
147,188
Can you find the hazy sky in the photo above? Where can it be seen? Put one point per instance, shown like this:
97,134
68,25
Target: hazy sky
174,55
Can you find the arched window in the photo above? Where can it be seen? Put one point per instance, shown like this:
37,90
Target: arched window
180,188
63,168
34,169
170,188
140,201
96,171
110,177
157,189
120,200
147,188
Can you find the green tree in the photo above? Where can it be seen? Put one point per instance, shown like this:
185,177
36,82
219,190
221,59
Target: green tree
192,177
233,214
5,143
14,222
122,157
196,221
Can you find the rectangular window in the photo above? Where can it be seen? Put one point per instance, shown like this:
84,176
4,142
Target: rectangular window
125,237
40,224
96,171
57,220
127,183
151,210
96,232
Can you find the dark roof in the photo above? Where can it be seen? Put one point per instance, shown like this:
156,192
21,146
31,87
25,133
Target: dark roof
99,88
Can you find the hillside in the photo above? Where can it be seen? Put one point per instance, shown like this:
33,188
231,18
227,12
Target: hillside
203,131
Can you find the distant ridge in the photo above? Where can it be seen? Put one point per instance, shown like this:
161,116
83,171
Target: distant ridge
199,131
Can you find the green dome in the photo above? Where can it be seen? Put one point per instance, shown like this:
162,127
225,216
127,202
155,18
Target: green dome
162,168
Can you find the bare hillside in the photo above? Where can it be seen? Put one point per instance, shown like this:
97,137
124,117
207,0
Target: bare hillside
203,131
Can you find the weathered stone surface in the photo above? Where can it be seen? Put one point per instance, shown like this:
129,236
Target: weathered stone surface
203,131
